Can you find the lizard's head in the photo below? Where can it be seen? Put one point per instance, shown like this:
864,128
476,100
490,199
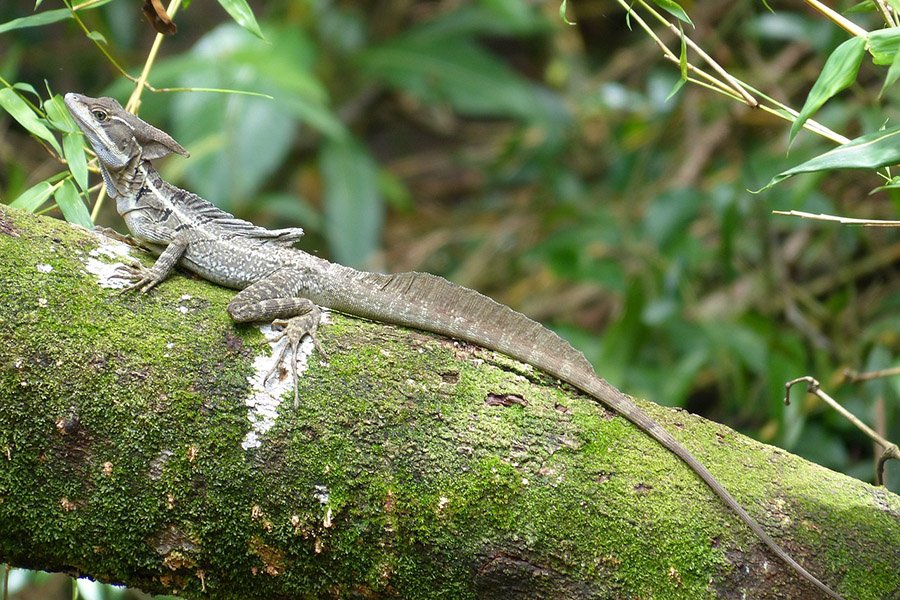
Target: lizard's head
116,135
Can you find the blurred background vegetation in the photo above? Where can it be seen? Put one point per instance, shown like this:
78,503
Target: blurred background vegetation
545,165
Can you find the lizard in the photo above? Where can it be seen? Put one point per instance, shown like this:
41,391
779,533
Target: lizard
284,285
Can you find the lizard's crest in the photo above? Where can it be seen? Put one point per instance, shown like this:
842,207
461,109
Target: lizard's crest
117,136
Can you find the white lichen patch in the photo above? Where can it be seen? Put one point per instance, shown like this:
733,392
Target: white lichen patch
268,391
105,262
321,493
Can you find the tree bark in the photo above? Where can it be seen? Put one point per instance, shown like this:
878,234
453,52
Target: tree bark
134,449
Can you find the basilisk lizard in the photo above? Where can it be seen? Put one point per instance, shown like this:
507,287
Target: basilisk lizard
287,286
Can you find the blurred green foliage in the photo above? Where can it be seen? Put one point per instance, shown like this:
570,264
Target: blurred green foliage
542,163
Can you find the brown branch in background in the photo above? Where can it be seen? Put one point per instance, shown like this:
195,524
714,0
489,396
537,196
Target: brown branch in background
813,387
155,13
855,376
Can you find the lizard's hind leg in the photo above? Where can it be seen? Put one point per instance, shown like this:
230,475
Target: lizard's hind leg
295,329
272,299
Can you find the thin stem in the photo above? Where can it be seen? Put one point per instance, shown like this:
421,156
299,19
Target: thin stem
668,54
838,19
837,218
86,4
99,46
134,102
886,12
778,109
101,196
855,376
732,81
890,450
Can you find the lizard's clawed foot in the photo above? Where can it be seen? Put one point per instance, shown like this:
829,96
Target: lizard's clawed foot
142,279
295,330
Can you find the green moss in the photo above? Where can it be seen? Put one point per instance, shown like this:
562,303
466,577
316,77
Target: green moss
123,418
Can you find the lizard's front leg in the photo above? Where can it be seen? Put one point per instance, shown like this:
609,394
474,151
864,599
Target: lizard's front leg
274,299
145,279
146,230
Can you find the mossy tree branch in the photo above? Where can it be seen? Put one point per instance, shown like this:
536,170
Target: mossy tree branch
414,467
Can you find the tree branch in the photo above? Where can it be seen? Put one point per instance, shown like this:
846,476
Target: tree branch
134,450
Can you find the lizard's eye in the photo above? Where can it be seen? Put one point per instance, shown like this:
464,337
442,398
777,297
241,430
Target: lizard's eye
100,115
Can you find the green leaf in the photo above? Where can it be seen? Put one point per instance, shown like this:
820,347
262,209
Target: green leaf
97,37
676,88
487,18
73,147
670,214
36,20
871,151
237,141
25,115
682,66
562,14
884,44
454,71
354,210
242,14
27,87
893,184
71,205
892,75
838,74
32,198
46,17
866,6
58,115
674,9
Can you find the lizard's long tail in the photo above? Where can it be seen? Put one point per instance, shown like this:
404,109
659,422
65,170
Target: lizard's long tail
600,389
431,303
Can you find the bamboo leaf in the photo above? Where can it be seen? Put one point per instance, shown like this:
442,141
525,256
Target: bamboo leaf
71,205
32,198
58,115
73,147
892,75
838,74
45,17
25,115
682,64
871,151
242,14
26,87
97,37
674,9
36,20
884,44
